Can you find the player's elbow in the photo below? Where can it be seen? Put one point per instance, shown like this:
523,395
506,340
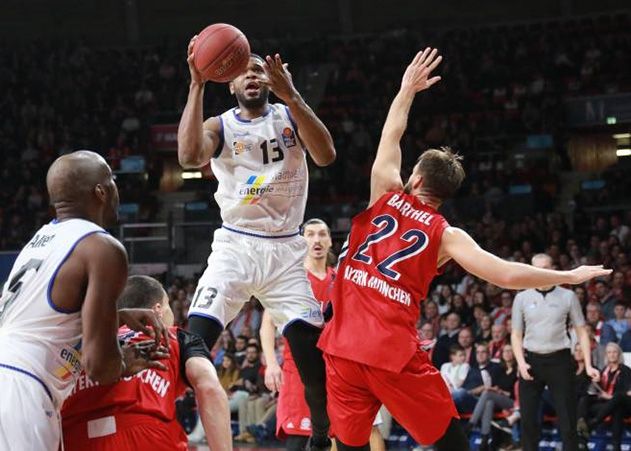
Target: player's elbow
187,158
507,279
326,158
101,371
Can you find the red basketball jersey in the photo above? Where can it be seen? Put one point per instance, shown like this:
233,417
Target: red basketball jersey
384,273
151,392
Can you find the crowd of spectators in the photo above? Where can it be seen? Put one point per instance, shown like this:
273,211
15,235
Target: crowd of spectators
465,325
498,82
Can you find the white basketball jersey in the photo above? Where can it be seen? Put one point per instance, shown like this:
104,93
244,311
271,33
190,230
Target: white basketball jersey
262,172
35,336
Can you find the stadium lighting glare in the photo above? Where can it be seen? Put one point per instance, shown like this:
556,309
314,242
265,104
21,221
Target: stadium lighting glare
623,152
622,136
611,120
191,175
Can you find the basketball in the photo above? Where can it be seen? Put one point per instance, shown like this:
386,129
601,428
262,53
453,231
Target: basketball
221,52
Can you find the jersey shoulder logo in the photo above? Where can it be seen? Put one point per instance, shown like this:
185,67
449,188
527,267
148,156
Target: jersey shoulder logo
289,137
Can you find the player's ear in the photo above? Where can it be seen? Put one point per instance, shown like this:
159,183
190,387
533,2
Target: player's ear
99,190
158,310
231,87
417,182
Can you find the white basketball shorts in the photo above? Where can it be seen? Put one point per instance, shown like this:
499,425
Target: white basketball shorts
269,268
28,419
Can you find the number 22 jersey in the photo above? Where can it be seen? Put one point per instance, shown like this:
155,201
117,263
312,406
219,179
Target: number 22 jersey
384,273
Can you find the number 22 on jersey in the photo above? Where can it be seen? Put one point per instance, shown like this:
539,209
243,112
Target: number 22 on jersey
387,226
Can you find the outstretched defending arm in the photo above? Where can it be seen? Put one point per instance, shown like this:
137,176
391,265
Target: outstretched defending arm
196,141
312,131
386,170
457,244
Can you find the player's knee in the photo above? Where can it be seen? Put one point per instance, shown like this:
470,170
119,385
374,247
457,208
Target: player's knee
208,328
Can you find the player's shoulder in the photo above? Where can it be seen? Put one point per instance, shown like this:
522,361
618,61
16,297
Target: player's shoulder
100,242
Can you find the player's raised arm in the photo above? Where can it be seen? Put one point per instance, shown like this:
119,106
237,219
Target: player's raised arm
196,141
312,132
386,170
457,244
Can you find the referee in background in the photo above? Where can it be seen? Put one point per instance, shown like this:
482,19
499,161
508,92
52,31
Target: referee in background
541,344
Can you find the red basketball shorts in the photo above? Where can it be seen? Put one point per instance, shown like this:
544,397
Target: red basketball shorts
417,398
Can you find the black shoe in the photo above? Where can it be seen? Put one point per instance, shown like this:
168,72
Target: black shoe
319,444
502,425
484,444
583,429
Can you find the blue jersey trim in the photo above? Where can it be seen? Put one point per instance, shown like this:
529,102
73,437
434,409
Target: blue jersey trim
249,121
221,139
256,235
31,375
205,315
52,280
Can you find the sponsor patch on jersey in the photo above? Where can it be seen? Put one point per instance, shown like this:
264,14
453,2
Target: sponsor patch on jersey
240,147
252,189
289,137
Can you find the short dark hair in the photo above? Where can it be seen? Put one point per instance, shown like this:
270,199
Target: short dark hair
453,349
313,221
257,56
243,337
252,345
442,172
141,292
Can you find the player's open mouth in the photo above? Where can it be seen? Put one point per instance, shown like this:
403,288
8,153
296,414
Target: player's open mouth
252,88
317,248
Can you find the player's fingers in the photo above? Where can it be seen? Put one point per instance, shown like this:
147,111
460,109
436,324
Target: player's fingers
430,58
434,64
154,364
417,57
279,61
433,81
424,55
270,62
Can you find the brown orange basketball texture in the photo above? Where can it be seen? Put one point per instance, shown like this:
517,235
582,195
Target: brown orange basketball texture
221,52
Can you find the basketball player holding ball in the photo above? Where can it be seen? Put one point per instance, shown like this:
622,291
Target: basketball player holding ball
257,152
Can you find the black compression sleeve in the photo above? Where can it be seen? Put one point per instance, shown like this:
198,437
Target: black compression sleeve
191,345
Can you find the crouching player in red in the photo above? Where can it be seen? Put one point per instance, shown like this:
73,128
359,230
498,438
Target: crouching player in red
395,248
138,413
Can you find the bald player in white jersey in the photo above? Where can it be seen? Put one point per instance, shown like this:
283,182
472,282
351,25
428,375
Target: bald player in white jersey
257,152
58,306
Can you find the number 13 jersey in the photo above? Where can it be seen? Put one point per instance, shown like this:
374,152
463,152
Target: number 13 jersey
262,172
384,273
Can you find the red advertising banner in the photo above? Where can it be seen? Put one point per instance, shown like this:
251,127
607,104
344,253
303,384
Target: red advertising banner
164,137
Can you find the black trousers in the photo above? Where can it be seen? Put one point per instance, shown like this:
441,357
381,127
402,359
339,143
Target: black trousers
618,407
556,370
